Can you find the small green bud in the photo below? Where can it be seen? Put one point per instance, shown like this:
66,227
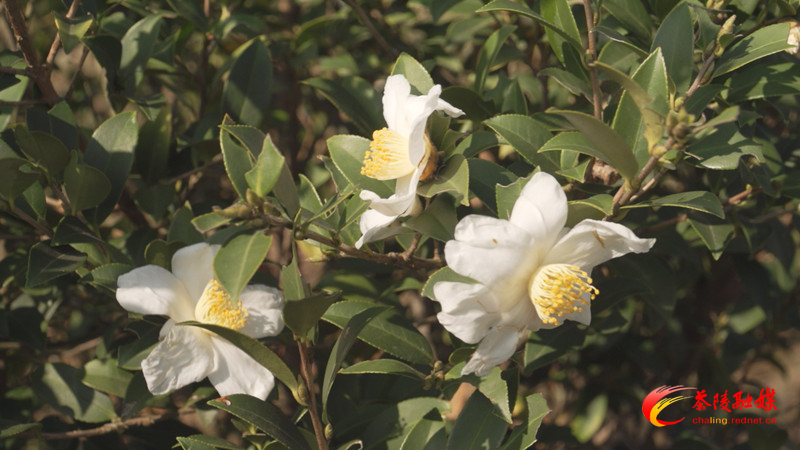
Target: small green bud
252,198
302,392
328,432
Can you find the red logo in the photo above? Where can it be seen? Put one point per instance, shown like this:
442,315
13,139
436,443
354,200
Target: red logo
655,402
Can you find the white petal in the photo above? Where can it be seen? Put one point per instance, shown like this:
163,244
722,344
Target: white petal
182,357
496,348
541,209
373,227
449,109
398,204
468,312
490,232
486,265
592,242
194,266
238,373
395,95
418,108
264,310
154,290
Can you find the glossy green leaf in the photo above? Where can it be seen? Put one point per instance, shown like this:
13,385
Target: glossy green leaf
702,201
181,228
559,14
258,351
478,426
545,346
507,196
476,142
764,81
438,220
384,366
86,187
238,161
508,5
9,431
302,315
191,11
675,38
209,221
766,41
632,15
388,426
106,275
137,46
263,416
105,376
246,93
715,233
524,436
415,73
16,175
12,94
60,385
347,152
111,151
47,263
43,150
351,325
453,178
71,230
723,148
484,176
614,150
204,442
491,47
237,261
573,83
526,135
71,30
263,176
354,97
251,138
390,332
594,207
426,434
152,148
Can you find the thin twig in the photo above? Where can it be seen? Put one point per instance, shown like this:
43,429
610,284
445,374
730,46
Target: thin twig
72,83
38,73
13,71
31,221
364,19
306,359
32,101
56,45
110,427
598,107
413,247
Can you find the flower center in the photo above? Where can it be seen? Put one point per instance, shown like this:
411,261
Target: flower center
388,157
216,307
560,289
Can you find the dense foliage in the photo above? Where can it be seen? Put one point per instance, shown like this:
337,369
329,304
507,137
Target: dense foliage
133,129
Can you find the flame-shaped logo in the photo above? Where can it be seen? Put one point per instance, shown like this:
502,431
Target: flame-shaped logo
655,402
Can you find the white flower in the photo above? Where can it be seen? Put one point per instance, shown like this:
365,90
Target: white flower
794,38
531,272
400,152
186,354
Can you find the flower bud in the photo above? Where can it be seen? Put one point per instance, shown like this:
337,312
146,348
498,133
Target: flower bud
794,38
328,432
302,392
725,35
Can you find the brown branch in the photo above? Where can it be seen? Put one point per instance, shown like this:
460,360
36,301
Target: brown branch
39,73
306,360
598,107
364,19
56,45
110,427
34,101
31,221
413,247
13,71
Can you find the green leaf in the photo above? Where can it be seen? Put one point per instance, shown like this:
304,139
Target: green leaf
475,143
106,275
250,137
60,386
722,148
263,176
643,106
523,436
508,5
354,97
301,315
632,15
85,186
16,176
766,41
559,13
425,434
347,152
71,30
675,38
256,350
137,46
202,441
438,220
238,161
265,417
111,151
387,427
607,143
479,426
13,430
495,388
453,177
245,95
239,259
294,288
484,176
573,83
105,376
191,11
47,263
703,201
384,366
352,326
587,422
763,81
526,135
152,148
594,207
44,150
389,332
507,196
545,346
443,274
415,73
286,192
488,53
181,228
209,221
715,233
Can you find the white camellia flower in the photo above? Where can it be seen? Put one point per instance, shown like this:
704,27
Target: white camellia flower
399,152
187,354
531,272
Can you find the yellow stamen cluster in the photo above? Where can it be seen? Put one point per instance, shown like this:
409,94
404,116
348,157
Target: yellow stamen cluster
216,307
388,156
560,289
